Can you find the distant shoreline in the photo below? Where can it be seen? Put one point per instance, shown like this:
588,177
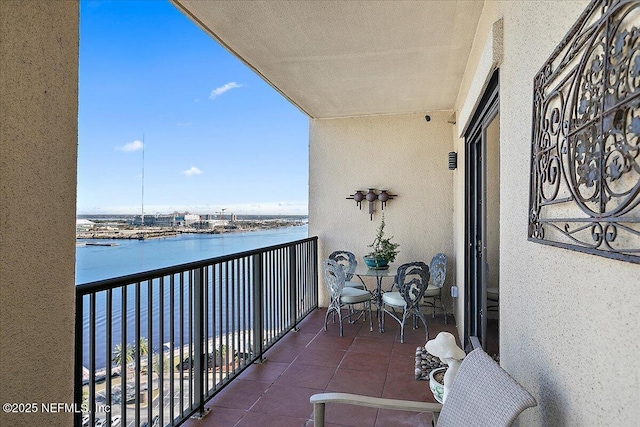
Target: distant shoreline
129,232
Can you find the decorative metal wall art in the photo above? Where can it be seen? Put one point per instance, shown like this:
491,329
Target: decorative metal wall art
585,157
371,196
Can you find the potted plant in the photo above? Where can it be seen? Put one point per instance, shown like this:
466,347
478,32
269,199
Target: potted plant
436,383
383,251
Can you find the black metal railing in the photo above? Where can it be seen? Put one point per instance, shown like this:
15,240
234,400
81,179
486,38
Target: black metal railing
153,348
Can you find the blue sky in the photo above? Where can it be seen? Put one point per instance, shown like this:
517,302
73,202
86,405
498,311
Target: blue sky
215,134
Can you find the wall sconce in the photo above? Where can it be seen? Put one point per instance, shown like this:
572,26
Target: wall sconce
453,160
371,196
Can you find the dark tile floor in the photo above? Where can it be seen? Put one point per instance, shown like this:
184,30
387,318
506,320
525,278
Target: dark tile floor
276,393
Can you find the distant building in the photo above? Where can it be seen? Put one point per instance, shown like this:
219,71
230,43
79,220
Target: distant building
190,219
84,225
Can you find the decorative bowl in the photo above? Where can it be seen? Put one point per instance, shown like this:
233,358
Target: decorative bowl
436,388
376,263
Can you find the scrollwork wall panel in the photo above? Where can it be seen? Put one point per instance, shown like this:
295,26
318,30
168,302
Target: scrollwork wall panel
585,156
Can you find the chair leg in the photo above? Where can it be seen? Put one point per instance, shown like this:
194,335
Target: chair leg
318,414
404,318
362,312
326,318
370,318
333,310
424,322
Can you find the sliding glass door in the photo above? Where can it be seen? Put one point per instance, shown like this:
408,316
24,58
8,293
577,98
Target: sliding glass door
481,214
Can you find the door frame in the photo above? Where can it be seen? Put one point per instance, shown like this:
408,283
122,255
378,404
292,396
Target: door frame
475,305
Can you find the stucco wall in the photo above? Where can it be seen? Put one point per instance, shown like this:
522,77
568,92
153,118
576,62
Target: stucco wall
38,133
401,153
568,321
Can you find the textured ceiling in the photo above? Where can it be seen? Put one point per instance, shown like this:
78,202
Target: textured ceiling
349,58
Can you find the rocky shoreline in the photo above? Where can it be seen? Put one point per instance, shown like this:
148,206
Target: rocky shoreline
126,234
143,233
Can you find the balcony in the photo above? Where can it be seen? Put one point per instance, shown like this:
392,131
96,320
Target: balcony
309,361
253,317
152,348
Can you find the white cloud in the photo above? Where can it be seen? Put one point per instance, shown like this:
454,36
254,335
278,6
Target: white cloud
131,146
192,171
222,89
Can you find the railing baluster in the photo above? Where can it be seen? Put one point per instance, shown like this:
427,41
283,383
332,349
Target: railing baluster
272,294
243,318
192,356
234,346
257,306
161,351
293,284
172,325
181,362
92,357
285,292
137,354
278,289
123,357
215,301
269,308
149,351
314,272
224,350
218,336
205,324
108,344
198,341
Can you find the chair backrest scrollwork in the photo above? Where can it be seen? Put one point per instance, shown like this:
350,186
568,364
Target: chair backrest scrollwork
347,260
412,280
334,278
438,269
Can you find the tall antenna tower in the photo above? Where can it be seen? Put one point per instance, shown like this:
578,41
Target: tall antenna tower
142,217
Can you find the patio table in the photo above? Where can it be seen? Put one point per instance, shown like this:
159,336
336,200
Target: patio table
364,271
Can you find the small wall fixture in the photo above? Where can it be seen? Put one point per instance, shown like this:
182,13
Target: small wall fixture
371,196
453,160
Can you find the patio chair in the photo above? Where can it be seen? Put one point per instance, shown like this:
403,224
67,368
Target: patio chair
438,271
348,262
482,395
341,296
411,280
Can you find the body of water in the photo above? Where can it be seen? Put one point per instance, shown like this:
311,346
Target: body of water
95,263
135,256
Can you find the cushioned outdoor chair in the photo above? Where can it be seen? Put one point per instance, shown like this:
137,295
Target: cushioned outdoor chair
438,271
411,280
341,296
349,263
482,395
